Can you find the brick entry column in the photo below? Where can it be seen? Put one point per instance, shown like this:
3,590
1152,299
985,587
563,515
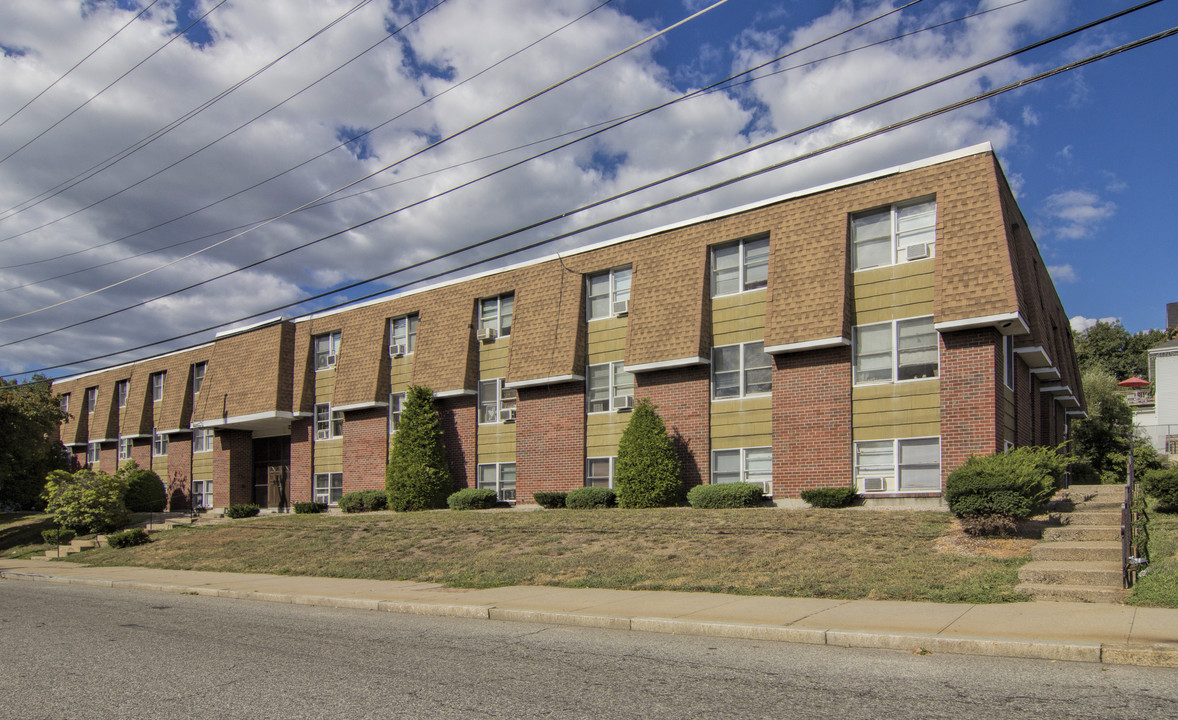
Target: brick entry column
459,420
812,441
179,475
971,396
550,439
683,399
233,468
301,460
366,449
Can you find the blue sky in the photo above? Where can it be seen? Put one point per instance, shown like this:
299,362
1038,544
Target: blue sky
1090,153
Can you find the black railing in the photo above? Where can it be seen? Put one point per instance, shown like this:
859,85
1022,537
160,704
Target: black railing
1134,537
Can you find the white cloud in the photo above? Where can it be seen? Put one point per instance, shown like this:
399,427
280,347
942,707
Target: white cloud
1080,323
1063,273
1030,117
1075,214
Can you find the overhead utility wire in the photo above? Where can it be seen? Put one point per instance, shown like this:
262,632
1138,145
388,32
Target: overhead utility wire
89,55
114,159
222,137
679,198
134,67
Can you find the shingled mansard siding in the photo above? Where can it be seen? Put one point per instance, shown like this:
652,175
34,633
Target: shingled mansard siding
756,381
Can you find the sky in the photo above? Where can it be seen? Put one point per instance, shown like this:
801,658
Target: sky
145,152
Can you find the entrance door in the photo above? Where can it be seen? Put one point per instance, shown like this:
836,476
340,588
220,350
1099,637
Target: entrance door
271,471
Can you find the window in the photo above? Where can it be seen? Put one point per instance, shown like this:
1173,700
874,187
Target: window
898,350
403,335
329,487
608,387
202,494
157,386
495,315
328,423
91,399
599,472
740,266
198,376
606,290
92,452
202,440
753,465
908,465
500,478
121,392
396,404
326,350
741,370
896,234
496,402
64,403
159,444
1008,361
124,449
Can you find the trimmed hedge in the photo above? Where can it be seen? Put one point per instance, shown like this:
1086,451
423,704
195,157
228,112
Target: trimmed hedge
591,497
991,493
145,490
473,499
242,511
550,500
1162,485
58,536
364,501
309,508
725,495
128,538
830,497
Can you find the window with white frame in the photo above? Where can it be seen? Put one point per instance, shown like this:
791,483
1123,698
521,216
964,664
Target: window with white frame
92,450
901,233
495,315
159,444
899,465
202,494
202,440
328,423
329,487
121,388
741,370
499,477
198,376
91,399
1008,361
599,472
608,293
608,387
326,348
403,335
496,402
157,386
124,449
895,350
740,266
754,465
64,402
396,405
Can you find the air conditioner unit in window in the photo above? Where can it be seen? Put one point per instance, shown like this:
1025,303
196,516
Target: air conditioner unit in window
331,361
916,252
487,334
623,402
396,351
507,415
874,484
621,307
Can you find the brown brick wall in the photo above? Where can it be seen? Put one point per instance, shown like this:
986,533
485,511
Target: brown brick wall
233,468
179,473
812,441
459,421
302,454
1024,405
366,449
970,396
683,398
141,452
550,439
108,457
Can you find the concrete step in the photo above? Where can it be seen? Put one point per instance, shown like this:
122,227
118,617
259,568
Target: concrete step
1080,493
1081,533
1087,518
1069,572
1066,506
1073,593
1077,551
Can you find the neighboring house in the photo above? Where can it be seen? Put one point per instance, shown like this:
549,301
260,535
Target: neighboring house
1159,422
876,331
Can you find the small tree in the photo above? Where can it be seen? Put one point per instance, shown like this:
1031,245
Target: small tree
647,469
418,477
29,450
86,501
145,490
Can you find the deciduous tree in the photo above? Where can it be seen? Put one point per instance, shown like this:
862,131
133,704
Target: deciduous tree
29,416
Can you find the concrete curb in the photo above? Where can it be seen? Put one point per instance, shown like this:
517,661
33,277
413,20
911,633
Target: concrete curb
1155,655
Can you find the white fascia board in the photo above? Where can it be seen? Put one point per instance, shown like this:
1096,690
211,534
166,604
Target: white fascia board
1080,413
139,436
808,345
176,431
1056,389
361,406
1035,356
556,379
152,358
1047,373
247,328
105,440
239,419
1005,323
666,364
454,393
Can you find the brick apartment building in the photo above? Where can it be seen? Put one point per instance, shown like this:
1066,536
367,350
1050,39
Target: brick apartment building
875,331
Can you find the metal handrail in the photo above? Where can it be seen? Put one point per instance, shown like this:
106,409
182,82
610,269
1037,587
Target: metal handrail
1133,558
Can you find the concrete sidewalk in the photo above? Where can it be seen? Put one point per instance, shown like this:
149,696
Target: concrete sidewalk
1082,632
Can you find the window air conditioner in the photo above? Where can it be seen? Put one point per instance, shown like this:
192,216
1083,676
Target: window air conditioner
874,484
486,334
621,307
330,360
396,351
507,415
918,251
623,402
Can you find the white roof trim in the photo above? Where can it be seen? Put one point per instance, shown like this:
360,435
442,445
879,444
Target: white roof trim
239,419
1005,323
666,364
454,393
544,381
361,406
175,431
808,345
151,358
247,328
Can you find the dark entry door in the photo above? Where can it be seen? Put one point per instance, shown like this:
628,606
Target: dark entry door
271,471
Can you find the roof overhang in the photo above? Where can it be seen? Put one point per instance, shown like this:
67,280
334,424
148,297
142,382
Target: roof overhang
538,382
1035,356
666,364
272,422
367,405
821,344
1046,374
1005,323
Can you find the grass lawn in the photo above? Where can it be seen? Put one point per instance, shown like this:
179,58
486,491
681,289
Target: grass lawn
20,534
847,554
1159,587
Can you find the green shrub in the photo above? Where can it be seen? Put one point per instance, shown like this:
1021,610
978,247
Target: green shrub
550,500
242,511
1162,485
830,497
725,495
309,508
989,493
473,499
418,477
58,536
591,497
85,501
363,501
1083,473
145,490
647,472
128,538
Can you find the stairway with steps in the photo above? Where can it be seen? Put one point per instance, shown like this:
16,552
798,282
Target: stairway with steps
78,545
1079,559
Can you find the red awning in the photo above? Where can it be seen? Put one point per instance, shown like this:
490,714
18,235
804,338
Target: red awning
1134,382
